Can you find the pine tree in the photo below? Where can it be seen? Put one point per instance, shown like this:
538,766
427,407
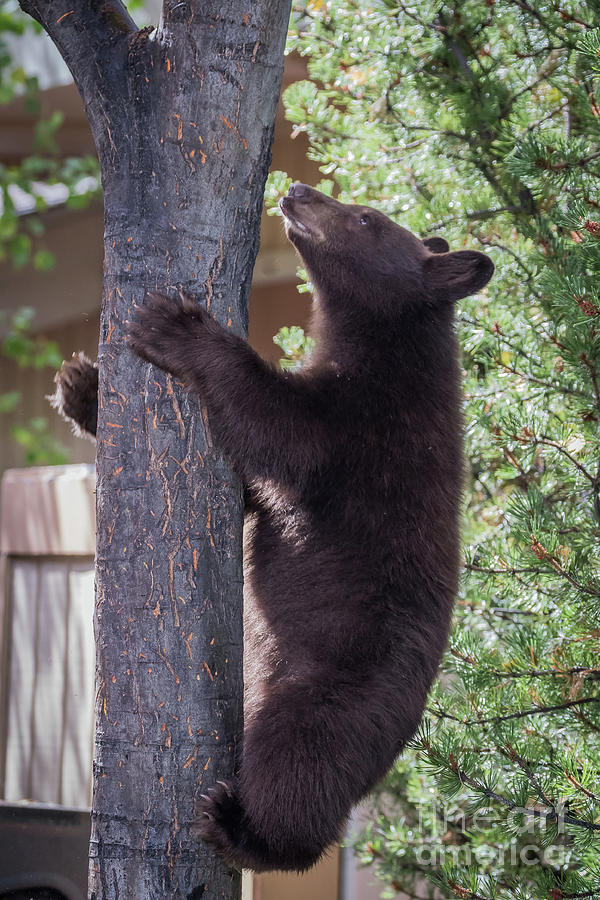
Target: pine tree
479,121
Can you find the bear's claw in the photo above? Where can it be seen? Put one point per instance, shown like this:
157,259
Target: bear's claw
162,327
220,815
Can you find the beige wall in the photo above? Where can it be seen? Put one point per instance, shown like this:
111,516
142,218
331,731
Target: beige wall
320,883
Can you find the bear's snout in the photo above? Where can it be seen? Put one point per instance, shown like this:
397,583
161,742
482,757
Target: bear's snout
299,190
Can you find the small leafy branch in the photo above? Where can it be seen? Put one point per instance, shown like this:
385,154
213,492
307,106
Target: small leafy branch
28,351
296,346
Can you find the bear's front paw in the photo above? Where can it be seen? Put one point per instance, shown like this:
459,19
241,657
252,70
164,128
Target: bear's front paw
167,332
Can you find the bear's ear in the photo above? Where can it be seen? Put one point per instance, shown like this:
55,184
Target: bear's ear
452,276
436,244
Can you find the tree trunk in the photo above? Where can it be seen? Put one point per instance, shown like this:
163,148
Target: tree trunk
183,122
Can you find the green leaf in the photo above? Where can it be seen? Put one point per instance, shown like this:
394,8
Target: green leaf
9,401
19,248
44,260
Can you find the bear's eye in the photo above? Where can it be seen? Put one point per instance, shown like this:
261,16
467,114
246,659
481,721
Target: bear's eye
364,219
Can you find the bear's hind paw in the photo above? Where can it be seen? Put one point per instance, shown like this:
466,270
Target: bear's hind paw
220,817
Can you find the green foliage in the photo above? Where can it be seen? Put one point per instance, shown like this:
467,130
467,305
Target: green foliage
21,234
296,345
480,121
26,350
39,447
18,345
278,184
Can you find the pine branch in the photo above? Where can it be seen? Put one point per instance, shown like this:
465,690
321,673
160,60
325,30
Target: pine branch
552,816
534,711
478,215
496,332
543,554
567,164
533,126
528,570
512,754
502,612
465,894
561,389
581,788
569,17
528,87
560,895
529,673
593,374
545,441
401,889
433,26
534,13
585,721
430,129
487,242
546,673
581,197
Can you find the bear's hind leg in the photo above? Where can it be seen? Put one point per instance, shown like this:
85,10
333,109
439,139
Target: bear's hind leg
302,769
76,394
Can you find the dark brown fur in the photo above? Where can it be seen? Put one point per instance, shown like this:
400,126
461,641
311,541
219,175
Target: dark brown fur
76,394
353,472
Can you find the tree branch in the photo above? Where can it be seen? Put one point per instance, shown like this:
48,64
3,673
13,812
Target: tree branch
93,39
484,570
510,752
561,389
477,215
580,787
529,673
535,711
105,24
547,442
552,815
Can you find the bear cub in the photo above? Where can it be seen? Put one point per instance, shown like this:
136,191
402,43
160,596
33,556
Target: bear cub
352,469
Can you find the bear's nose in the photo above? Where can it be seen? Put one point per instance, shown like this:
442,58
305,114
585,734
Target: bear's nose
298,190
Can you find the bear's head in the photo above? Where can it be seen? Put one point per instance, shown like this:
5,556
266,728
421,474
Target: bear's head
357,253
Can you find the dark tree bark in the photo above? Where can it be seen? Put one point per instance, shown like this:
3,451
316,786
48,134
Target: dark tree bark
183,122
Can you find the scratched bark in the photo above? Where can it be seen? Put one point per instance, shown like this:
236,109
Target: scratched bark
183,122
